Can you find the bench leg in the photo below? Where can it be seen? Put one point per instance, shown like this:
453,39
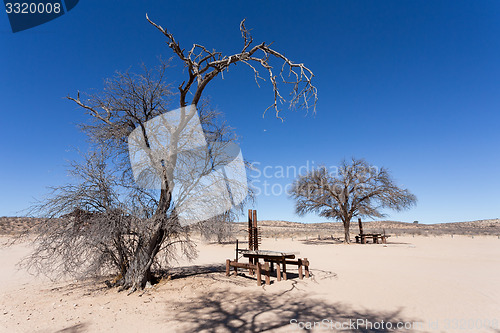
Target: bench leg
278,271
228,268
284,269
300,269
259,270
268,278
306,266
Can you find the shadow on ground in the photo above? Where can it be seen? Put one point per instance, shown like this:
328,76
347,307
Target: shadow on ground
185,271
263,311
327,241
74,329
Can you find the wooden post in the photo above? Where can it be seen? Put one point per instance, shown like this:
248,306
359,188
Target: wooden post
300,269
259,270
268,278
236,258
284,269
255,231
278,271
306,265
360,226
250,228
227,267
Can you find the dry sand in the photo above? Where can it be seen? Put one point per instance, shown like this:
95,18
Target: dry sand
445,284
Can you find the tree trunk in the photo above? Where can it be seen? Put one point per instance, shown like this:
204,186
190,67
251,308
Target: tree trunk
139,270
347,235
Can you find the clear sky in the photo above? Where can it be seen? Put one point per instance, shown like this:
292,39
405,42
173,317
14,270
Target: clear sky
410,85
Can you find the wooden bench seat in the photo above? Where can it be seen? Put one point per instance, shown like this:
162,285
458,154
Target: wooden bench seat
258,267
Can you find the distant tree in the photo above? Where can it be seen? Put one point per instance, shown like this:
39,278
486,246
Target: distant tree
357,189
220,228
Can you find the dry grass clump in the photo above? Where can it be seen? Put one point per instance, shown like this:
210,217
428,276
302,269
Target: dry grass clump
16,225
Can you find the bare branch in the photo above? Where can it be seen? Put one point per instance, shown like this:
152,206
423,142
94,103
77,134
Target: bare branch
204,65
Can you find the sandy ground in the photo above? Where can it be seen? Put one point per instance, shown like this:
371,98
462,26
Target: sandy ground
429,284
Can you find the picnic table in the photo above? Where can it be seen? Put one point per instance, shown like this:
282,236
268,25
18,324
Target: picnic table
280,258
270,257
377,238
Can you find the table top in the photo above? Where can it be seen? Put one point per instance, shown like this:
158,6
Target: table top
267,253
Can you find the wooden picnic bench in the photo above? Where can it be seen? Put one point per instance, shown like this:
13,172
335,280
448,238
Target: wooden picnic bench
269,257
281,259
258,267
377,238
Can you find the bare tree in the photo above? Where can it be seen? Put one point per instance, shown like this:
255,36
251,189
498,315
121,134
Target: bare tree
204,65
104,222
219,228
97,224
149,219
357,189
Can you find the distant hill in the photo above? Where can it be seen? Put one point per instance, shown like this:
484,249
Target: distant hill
270,228
15,225
327,229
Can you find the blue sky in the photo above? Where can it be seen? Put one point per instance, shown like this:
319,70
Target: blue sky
410,85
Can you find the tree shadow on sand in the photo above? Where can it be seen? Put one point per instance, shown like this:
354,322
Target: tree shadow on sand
263,311
74,329
192,270
327,241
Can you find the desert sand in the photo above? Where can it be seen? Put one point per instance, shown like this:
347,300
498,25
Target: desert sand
429,284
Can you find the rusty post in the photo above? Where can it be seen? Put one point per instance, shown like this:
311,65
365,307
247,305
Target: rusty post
259,271
278,271
236,258
250,228
268,278
255,231
227,267
299,261
306,266
284,268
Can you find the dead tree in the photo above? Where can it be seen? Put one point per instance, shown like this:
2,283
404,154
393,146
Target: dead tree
128,102
358,189
204,65
103,222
